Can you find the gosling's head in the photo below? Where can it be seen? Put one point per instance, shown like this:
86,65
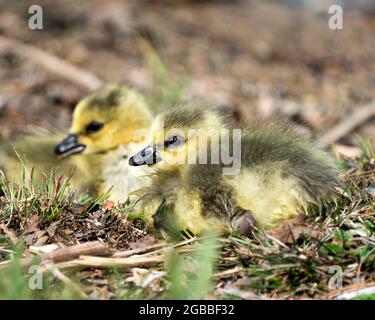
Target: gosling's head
176,135
104,120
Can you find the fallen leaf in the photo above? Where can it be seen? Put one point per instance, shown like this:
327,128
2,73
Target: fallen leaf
292,229
51,229
108,205
9,233
78,208
41,241
44,249
143,242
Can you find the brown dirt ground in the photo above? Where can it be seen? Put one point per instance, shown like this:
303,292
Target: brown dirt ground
258,56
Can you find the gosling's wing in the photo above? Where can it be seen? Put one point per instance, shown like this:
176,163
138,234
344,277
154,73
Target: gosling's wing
279,143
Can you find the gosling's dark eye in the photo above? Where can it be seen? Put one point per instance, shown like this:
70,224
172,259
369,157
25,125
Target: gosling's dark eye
174,142
93,127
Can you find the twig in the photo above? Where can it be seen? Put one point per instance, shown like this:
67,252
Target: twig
108,263
356,286
342,129
24,263
63,278
245,295
159,247
64,254
68,253
2,249
135,260
128,253
356,293
52,63
229,272
67,257
277,241
176,245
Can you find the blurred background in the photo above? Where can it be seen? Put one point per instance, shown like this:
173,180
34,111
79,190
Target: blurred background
262,58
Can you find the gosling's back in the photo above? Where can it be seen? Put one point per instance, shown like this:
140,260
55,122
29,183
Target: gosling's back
282,173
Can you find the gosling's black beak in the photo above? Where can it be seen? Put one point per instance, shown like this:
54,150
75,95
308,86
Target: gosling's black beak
69,146
148,155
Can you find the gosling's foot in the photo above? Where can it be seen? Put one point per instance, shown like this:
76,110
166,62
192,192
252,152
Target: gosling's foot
245,223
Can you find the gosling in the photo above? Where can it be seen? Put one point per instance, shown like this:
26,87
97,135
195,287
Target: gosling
281,173
102,136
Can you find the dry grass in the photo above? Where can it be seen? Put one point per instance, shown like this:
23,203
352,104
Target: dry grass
326,254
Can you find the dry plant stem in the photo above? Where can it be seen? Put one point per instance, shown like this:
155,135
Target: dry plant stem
63,278
52,63
108,263
24,263
355,287
69,253
339,131
85,253
128,253
356,293
146,260
245,295
2,249
159,247
176,245
229,272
